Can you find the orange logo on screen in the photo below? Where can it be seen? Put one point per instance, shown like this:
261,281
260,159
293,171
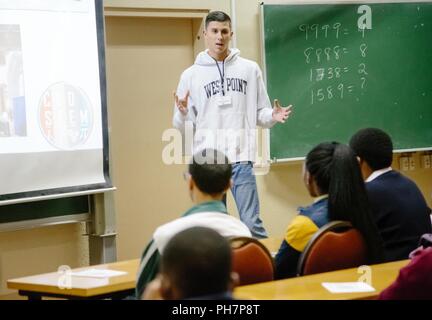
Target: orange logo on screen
65,116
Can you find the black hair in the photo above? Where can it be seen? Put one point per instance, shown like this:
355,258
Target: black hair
336,172
211,171
374,146
219,16
198,262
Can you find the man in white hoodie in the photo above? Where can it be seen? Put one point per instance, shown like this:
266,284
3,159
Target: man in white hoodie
208,179
223,97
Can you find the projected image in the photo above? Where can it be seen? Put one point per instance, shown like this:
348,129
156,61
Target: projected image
12,98
65,116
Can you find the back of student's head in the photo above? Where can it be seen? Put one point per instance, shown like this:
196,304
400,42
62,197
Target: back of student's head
197,262
336,172
218,16
211,171
373,146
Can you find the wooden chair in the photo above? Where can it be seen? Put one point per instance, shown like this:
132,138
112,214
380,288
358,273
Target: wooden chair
336,245
251,260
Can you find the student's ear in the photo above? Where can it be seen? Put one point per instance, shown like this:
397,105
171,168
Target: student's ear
234,281
153,290
191,183
231,183
309,181
308,178
364,168
166,290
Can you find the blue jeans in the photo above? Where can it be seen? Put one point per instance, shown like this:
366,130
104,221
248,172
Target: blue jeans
245,194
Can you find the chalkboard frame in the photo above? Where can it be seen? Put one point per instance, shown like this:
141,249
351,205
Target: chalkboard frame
266,132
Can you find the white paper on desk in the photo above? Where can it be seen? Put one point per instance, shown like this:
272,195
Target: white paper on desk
98,273
347,287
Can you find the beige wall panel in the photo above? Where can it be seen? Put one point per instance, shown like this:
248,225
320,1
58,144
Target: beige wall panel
145,57
28,252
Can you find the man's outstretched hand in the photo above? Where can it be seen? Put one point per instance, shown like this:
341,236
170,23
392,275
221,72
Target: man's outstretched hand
182,103
280,114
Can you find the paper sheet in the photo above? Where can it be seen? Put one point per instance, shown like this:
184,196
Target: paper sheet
347,287
98,273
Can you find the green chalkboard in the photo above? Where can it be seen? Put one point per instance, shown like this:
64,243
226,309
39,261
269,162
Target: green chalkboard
349,66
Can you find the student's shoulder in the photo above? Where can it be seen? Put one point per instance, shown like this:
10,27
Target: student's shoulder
300,231
316,212
390,179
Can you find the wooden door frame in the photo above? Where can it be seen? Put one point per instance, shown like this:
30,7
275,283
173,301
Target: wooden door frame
197,16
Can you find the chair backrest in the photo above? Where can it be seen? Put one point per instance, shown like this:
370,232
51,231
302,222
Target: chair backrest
337,245
251,260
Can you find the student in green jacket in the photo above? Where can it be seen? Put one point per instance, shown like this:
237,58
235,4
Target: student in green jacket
209,177
186,263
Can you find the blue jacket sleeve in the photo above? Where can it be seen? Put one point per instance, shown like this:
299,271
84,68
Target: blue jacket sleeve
286,261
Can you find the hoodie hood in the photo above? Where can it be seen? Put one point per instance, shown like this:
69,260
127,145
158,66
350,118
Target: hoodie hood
204,59
226,225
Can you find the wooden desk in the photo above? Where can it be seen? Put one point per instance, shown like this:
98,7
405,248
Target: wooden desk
310,288
46,285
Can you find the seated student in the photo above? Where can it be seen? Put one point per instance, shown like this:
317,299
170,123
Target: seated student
209,178
398,207
414,280
331,175
195,264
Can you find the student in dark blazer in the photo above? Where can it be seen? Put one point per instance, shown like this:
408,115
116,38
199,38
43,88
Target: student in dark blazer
398,206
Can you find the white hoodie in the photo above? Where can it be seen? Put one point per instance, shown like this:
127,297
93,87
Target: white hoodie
229,126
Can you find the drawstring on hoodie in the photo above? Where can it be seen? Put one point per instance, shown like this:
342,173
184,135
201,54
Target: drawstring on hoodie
222,74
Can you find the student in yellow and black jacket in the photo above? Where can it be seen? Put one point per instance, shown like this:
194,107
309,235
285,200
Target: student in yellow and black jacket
332,176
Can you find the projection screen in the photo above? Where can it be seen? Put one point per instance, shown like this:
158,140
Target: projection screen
53,115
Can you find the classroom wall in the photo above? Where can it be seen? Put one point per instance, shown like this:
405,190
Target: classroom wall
281,190
41,250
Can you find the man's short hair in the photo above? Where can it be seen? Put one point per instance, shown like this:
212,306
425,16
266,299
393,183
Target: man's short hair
211,171
198,262
218,16
373,146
